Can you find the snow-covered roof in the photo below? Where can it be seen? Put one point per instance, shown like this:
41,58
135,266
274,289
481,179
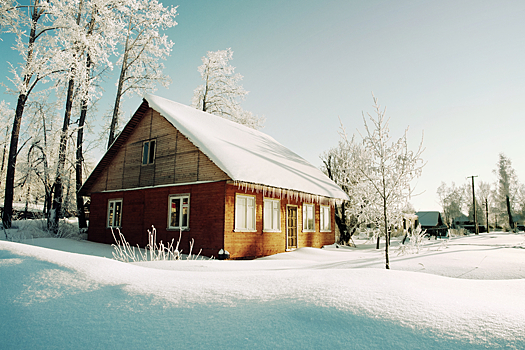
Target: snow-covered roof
244,154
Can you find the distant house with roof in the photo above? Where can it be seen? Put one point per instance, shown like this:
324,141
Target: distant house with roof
222,184
432,222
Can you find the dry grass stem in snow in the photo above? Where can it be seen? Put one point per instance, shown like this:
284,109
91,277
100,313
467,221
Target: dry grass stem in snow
154,252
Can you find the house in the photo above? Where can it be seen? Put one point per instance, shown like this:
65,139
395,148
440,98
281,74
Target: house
463,221
207,179
432,222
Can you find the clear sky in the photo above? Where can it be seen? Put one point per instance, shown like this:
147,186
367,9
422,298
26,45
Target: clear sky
453,69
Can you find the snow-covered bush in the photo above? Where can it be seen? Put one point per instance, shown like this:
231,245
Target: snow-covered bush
37,228
153,252
415,239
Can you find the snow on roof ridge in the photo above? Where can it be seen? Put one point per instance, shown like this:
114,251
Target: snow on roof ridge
245,154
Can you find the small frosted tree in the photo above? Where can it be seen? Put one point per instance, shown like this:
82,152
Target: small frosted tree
453,200
389,166
221,92
507,187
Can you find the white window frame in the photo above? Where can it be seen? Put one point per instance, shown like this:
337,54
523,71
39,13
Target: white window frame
110,221
325,219
151,152
308,209
245,210
271,215
180,225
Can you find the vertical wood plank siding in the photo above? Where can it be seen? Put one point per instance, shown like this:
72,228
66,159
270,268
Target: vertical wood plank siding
177,160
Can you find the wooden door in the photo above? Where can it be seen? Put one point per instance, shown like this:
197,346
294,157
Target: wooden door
291,227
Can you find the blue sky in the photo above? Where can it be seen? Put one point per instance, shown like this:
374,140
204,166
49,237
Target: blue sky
453,69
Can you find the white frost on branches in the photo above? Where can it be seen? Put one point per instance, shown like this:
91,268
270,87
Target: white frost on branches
377,174
143,46
221,92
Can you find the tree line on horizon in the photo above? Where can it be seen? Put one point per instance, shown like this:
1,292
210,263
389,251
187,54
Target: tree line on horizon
503,200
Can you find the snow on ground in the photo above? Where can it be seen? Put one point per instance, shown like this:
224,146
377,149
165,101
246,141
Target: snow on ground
463,293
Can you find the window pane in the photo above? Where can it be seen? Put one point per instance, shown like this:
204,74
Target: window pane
110,217
118,213
326,217
145,153
250,214
152,151
304,218
308,217
175,212
241,213
268,215
184,216
276,221
276,215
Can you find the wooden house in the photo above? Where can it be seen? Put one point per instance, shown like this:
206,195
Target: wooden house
432,222
224,185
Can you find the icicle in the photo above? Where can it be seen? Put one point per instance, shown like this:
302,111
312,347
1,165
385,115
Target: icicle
281,193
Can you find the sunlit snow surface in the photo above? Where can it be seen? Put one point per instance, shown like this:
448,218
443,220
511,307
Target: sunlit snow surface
467,293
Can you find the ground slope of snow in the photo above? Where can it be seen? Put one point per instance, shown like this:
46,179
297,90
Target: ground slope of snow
466,294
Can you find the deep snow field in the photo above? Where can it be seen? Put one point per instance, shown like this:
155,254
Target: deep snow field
462,293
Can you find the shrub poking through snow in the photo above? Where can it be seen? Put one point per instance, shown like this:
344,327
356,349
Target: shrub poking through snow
415,240
453,232
154,252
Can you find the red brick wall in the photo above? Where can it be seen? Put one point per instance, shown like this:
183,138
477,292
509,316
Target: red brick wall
143,208
259,243
212,221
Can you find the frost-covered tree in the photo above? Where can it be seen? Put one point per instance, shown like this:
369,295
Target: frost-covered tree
390,166
221,92
40,53
5,113
483,194
507,187
86,32
143,46
9,16
40,162
453,200
340,164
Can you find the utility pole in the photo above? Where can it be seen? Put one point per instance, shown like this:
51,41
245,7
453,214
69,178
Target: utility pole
474,204
487,213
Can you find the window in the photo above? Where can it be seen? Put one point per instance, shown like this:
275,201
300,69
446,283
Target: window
244,213
325,219
114,213
308,218
148,152
272,215
179,212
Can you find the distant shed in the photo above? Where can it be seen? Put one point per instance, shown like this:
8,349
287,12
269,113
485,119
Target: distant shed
432,222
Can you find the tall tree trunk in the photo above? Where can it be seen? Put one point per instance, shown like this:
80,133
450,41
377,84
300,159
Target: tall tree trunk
387,235
58,193
7,213
80,134
78,165
3,153
509,213
116,107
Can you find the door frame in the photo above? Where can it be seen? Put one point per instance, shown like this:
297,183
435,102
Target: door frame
296,227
